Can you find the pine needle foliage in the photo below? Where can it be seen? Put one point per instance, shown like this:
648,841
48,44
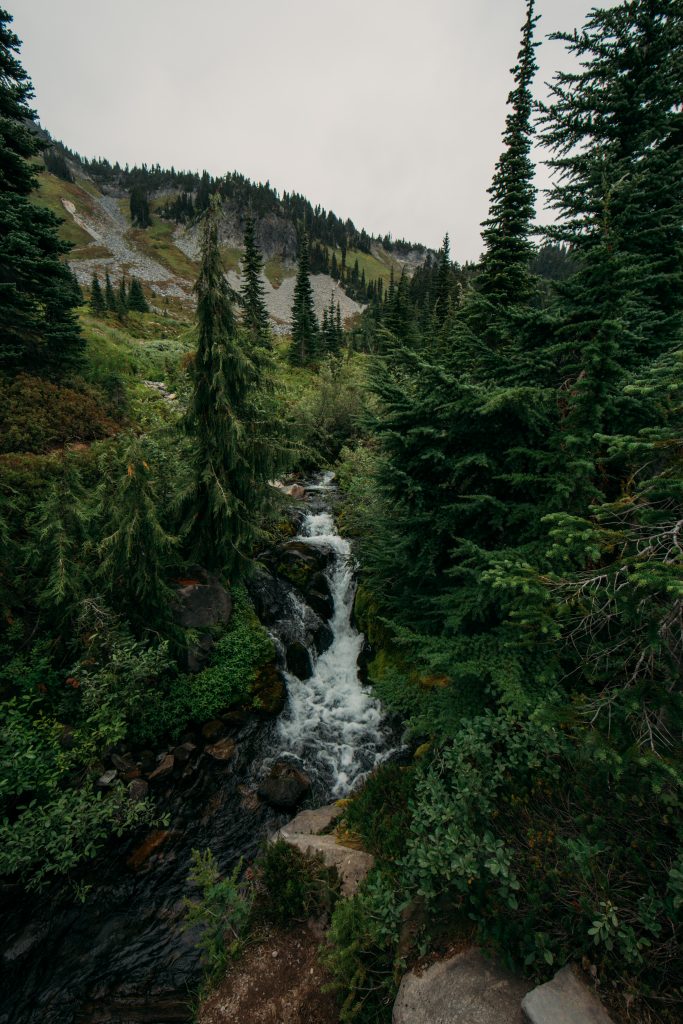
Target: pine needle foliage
236,451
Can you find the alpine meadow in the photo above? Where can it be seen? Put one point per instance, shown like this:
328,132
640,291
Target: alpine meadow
341,589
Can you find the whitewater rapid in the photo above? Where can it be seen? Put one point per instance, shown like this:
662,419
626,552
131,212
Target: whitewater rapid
332,724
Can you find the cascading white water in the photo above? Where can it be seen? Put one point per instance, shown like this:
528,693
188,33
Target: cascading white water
332,723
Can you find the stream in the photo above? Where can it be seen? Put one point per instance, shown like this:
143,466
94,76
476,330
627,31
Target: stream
122,956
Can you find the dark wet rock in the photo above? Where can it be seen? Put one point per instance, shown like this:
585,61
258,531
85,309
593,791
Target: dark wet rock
164,770
269,692
322,638
366,655
138,789
122,763
202,603
148,760
67,737
184,752
149,846
224,750
214,730
299,661
319,597
300,563
285,786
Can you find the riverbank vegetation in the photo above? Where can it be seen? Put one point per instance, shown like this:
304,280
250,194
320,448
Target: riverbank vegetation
508,439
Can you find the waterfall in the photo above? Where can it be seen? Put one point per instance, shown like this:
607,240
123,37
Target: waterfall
332,725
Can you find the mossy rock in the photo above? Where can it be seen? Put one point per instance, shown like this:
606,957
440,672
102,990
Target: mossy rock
269,692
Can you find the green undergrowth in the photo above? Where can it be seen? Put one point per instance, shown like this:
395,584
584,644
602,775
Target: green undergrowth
240,652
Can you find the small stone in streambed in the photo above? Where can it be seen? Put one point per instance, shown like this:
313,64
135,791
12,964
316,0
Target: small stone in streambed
165,768
285,786
138,790
299,661
224,750
214,730
107,779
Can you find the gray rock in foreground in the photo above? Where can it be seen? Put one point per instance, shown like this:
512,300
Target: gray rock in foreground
466,989
564,1000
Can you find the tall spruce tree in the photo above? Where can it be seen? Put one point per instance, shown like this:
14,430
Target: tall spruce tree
39,332
305,330
136,298
505,275
110,295
255,315
236,451
97,303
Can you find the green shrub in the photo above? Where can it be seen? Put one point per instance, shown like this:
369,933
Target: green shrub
293,886
240,652
36,415
222,912
361,952
379,814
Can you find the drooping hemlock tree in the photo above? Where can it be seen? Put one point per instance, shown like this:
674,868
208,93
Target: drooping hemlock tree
39,332
304,321
255,315
235,451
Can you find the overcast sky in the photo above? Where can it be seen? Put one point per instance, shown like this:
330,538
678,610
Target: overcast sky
386,111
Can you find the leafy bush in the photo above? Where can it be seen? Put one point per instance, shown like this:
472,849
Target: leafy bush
293,886
379,814
36,415
558,849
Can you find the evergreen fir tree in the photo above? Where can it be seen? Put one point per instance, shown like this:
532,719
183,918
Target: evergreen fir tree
134,549
505,276
38,328
236,452
443,289
110,295
304,321
139,207
252,292
97,303
122,298
136,298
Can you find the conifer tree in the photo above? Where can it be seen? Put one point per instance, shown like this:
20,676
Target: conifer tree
134,549
139,207
97,303
39,332
443,291
304,321
136,298
236,452
252,292
122,299
110,295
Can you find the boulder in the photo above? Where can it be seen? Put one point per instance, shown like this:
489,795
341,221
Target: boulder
313,822
107,779
564,1000
299,661
319,597
165,768
466,989
269,692
214,730
285,785
201,603
224,750
352,865
138,790
184,752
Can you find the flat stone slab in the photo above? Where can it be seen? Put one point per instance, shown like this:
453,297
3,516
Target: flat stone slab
352,865
312,823
467,989
564,1000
